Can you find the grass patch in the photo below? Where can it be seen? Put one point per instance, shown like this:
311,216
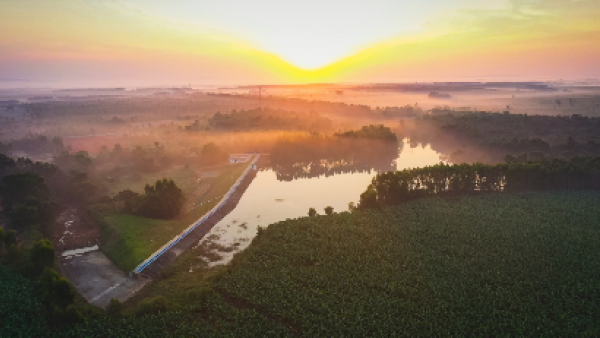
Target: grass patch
128,240
489,265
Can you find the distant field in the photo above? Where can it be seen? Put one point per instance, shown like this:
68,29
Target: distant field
129,239
491,265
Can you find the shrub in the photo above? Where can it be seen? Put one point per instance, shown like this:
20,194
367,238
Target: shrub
114,308
11,239
56,290
152,305
42,254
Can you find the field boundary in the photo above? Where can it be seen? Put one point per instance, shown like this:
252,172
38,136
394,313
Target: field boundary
196,224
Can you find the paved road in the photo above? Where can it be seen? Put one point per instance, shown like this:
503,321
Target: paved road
97,279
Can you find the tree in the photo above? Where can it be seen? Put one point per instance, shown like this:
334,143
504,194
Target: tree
312,212
211,154
6,164
162,200
10,239
42,254
329,210
130,200
152,305
27,201
2,239
114,308
24,216
56,290
351,207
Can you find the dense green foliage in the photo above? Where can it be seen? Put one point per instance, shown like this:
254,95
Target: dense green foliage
493,265
400,186
21,310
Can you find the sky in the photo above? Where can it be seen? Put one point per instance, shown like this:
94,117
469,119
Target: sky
177,42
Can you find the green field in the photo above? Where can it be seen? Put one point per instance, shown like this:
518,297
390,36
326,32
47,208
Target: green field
489,265
128,240
523,264
20,307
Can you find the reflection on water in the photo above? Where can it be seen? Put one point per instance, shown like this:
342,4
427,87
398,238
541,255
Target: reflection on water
323,157
269,199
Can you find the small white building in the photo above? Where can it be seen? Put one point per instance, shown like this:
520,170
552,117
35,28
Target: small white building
239,158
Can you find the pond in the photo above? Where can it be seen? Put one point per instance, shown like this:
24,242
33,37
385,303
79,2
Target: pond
270,199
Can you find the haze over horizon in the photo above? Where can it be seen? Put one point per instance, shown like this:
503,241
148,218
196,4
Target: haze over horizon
135,42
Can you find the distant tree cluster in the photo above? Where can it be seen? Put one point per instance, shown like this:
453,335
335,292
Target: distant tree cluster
439,95
405,111
269,119
371,132
162,200
211,155
501,134
35,144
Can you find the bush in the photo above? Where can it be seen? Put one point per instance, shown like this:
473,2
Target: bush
211,155
329,210
11,239
56,290
199,296
42,254
312,212
114,308
152,305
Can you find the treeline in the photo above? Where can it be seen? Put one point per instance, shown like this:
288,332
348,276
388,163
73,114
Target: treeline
371,132
458,179
406,111
370,148
35,144
268,119
501,134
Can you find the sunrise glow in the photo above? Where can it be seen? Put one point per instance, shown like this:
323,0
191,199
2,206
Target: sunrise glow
236,41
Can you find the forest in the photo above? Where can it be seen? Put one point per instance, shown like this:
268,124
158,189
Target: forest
579,173
492,136
268,119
